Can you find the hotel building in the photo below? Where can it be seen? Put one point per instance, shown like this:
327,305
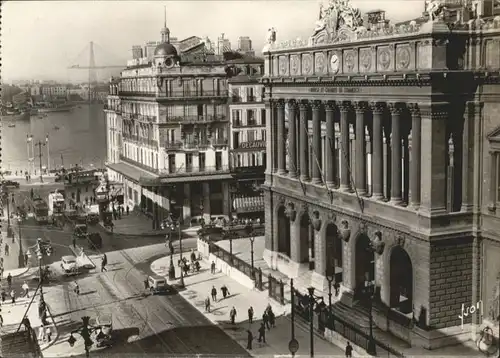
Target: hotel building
403,193
168,134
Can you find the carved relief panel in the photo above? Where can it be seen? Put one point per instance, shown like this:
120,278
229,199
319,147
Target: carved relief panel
366,60
424,55
493,54
385,58
334,62
275,66
283,66
307,64
404,57
350,61
319,63
295,65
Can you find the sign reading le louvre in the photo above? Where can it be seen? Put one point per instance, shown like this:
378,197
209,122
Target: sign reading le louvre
335,89
253,145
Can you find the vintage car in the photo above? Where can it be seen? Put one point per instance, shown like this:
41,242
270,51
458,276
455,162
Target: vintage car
80,231
69,265
158,284
104,337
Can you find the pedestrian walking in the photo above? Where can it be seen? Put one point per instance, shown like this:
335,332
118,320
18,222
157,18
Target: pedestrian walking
212,267
225,291
348,350
146,283
214,294
262,333
4,295
193,256
13,296
128,210
25,288
272,317
207,305
265,320
249,339
6,250
250,315
1,273
48,333
9,280
1,321
232,315
336,286
77,289
104,263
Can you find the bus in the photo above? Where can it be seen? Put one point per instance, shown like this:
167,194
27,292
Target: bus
41,211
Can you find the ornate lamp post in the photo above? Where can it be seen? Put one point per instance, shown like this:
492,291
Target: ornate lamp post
85,331
41,248
311,319
370,289
330,276
171,268
230,235
250,232
177,225
293,345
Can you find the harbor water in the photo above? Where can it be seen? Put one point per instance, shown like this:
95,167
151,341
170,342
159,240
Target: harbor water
75,137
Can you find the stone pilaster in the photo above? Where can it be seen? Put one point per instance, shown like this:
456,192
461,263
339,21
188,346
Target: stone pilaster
316,139
492,202
186,208
292,138
345,176
270,137
433,159
360,109
206,202
415,165
472,115
304,142
331,164
281,152
377,152
396,190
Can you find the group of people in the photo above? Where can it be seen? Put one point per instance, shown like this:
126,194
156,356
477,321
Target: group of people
268,322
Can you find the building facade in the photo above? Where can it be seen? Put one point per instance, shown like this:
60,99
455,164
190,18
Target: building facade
168,134
382,167
248,138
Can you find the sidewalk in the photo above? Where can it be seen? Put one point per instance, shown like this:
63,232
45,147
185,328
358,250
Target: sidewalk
198,287
14,260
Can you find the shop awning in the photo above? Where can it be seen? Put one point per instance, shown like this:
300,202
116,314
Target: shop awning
131,172
248,204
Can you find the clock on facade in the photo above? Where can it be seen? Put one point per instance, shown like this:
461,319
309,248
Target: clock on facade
334,63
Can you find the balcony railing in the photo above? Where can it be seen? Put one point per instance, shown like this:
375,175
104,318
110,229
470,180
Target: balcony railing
251,98
195,119
189,145
219,141
137,164
137,93
221,169
236,99
137,139
174,95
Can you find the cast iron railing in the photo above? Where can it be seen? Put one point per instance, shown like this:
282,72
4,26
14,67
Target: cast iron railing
276,289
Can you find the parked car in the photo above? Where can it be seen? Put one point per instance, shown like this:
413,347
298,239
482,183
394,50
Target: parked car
10,184
80,231
69,266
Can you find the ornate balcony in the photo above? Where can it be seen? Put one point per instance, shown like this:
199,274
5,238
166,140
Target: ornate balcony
194,119
193,171
175,95
216,142
137,164
189,145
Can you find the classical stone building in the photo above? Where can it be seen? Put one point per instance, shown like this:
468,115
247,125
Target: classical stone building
168,131
379,166
248,137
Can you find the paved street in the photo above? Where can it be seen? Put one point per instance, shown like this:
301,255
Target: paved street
152,324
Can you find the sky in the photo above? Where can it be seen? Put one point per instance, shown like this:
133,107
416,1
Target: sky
40,39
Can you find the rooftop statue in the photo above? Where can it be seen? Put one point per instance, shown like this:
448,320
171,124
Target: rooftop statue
434,9
335,19
270,39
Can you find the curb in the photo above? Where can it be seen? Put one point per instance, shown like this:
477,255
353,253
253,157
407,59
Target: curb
26,269
151,233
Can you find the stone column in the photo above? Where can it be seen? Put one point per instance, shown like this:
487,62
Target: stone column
270,136
360,148
292,138
493,181
206,202
331,164
377,152
304,142
280,118
472,115
155,209
186,208
345,175
416,138
316,138
433,155
396,192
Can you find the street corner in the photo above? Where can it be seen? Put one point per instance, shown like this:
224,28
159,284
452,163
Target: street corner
160,266
20,272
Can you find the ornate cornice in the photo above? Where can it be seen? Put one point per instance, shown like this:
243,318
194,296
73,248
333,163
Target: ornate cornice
434,111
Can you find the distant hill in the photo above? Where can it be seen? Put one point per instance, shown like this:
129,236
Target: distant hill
8,91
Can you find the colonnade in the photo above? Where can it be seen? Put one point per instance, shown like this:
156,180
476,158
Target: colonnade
386,124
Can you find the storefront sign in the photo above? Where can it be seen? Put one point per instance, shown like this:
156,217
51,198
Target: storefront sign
335,89
253,145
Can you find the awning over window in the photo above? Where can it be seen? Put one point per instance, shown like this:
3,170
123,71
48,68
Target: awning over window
248,204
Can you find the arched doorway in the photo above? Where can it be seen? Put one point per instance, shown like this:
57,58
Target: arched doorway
401,281
283,232
365,264
333,252
306,244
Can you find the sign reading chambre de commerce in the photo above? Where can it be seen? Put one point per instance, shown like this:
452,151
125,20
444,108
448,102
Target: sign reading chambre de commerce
253,145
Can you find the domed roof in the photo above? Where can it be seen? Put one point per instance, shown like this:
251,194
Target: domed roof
165,49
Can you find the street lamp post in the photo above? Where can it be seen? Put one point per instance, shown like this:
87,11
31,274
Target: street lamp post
171,268
250,231
311,319
293,345
330,277
372,349
177,225
84,331
41,248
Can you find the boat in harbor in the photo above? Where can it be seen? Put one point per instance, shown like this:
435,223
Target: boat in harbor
59,108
